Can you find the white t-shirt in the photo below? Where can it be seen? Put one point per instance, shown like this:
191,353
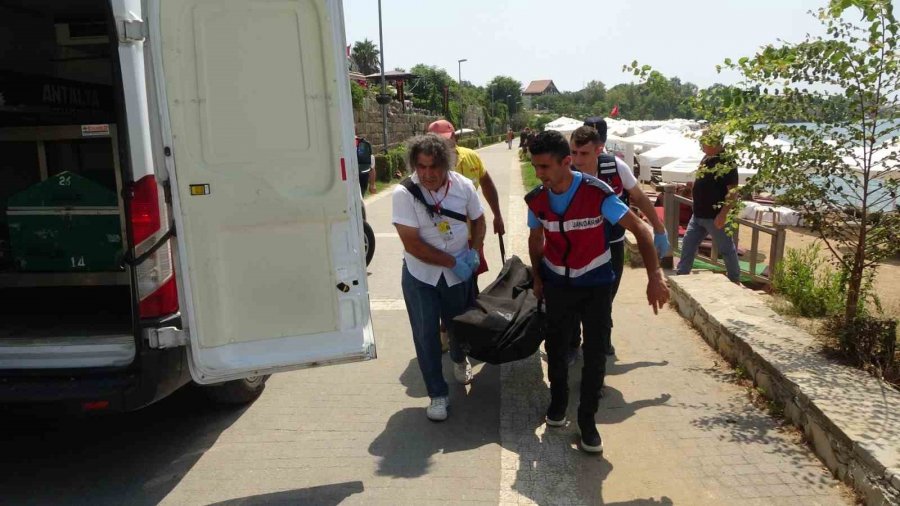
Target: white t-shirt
628,182
461,198
625,174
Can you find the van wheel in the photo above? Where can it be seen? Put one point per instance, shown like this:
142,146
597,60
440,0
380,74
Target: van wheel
242,391
369,236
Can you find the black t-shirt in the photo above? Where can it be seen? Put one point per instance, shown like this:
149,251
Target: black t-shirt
711,188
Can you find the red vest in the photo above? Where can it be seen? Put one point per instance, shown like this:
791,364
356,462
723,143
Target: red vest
576,247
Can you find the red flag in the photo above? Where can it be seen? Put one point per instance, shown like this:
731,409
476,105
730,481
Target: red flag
614,112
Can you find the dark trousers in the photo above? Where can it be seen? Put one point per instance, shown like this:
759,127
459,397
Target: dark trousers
566,307
426,306
364,182
617,260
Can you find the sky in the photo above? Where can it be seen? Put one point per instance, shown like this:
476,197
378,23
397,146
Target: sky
573,42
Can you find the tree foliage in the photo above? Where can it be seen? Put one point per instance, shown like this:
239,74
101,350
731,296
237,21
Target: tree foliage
842,172
427,91
656,97
365,55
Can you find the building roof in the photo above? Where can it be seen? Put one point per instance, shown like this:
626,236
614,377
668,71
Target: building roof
393,75
538,87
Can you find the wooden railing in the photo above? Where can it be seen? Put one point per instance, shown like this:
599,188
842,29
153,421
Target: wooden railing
777,233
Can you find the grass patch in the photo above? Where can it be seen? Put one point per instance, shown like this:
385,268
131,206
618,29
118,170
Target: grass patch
528,177
381,186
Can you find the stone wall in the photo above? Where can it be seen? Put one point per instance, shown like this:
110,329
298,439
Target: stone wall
400,125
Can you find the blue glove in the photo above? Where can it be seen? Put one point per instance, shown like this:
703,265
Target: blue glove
661,242
462,268
473,259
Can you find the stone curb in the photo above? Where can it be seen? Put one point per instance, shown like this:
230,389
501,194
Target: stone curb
857,440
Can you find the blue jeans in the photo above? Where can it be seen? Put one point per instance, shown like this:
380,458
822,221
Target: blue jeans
426,306
697,230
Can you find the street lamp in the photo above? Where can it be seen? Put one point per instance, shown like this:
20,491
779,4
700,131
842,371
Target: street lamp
493,112
461,111
383,98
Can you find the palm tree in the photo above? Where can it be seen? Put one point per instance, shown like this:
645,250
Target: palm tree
365,55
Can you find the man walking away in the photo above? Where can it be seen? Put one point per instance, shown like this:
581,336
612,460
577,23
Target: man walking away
430,211
572,270
714,196
366,162
509,138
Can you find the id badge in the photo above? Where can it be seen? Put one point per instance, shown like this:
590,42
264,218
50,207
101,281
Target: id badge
444,228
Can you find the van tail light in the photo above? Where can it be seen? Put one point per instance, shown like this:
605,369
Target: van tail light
157,291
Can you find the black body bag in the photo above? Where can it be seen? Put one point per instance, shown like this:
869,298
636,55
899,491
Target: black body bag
506,324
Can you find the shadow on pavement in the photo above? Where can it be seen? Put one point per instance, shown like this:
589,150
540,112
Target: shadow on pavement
409,440
552,469
615,368
325,495
662,501
411,378
130,458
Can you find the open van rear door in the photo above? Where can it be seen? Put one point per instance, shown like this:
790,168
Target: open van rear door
269,229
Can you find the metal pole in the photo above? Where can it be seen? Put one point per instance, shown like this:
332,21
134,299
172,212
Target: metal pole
462,113
383,99
493,112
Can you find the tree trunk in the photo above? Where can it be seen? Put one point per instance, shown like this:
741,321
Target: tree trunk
854,284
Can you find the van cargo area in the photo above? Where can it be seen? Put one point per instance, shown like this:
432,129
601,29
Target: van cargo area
66,299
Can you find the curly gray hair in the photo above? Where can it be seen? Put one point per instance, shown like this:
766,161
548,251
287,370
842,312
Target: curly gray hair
434,146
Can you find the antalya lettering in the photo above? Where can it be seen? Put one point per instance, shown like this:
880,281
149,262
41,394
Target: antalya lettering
67,96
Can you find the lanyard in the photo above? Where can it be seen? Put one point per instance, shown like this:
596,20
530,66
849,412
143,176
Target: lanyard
437,203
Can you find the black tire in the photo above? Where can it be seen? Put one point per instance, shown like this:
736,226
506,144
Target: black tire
242,391
369,242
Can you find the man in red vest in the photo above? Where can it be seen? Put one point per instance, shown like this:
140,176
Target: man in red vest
571,262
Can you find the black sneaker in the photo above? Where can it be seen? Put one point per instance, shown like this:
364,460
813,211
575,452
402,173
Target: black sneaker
556,413
611,351
591,441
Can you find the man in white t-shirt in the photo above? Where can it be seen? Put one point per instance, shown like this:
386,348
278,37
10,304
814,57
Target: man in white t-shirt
588,143
430,211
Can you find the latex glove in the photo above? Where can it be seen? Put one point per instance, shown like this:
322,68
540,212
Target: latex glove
661,241
462,268
473,259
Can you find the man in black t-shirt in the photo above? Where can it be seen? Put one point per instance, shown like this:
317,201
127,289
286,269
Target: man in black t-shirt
713,199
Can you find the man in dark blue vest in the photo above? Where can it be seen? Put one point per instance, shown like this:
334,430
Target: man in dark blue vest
588,156
571,263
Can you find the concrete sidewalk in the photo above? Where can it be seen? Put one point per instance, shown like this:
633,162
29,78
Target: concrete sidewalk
676,430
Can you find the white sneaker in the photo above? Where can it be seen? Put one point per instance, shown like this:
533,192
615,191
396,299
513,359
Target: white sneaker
463,372
437,411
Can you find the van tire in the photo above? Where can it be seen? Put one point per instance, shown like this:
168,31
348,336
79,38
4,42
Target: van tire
242,391
369,242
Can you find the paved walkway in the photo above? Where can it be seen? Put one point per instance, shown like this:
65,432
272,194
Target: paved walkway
676,430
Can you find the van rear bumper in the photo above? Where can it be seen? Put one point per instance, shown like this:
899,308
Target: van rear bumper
102,351
159,373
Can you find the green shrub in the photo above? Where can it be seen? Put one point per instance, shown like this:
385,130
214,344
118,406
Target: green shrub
869,342
397,159
357,94
813,288
382,168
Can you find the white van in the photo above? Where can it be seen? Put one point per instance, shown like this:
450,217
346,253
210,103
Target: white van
174,198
